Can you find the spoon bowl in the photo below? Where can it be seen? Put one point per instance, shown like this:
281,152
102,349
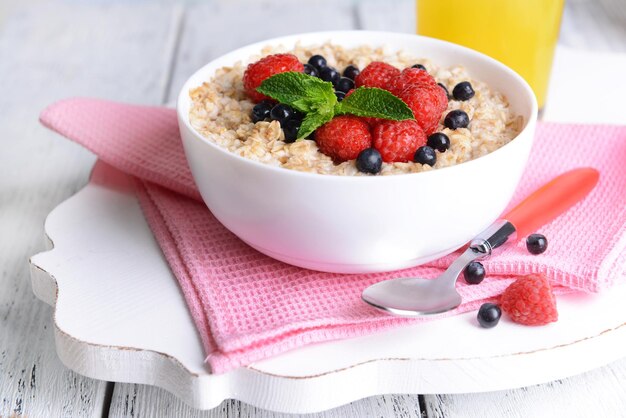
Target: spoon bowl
412,296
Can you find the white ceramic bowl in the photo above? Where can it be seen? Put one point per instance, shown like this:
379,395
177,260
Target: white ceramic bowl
361,224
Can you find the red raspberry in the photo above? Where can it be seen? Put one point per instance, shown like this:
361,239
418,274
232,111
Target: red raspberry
372,122
411,77
398,141
529,301
427,104
343,138
265,68
377,74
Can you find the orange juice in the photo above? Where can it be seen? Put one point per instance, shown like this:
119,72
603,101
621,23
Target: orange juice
520,33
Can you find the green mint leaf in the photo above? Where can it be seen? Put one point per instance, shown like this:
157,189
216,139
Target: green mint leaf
373,102
312,121
316,98
301,91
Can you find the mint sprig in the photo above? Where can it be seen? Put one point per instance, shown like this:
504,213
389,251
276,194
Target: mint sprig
316,98
312,121
301,91
371,102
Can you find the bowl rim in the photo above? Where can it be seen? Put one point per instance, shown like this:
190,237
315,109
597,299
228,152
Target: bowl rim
183,97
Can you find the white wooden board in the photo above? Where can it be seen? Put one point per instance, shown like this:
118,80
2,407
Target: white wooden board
120,316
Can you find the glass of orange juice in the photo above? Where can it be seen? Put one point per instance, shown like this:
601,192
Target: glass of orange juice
520,33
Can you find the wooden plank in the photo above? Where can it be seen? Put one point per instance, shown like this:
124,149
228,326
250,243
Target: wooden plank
145,401
595,25
598,393
47,52
212,29
390,15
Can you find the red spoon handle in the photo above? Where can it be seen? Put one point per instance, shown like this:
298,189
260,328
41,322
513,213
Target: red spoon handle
552,199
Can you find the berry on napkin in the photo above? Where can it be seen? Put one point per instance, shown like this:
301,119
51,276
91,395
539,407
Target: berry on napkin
529,301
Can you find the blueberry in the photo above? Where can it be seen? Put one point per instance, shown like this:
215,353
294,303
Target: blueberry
340,95
329,74
489,315
420,66
456,119
351,72
310,70
439,141
444,89
425,155
290,129
344,84
261,111
536,243
281,112
317,61
369,161
474,273
299,116
463,91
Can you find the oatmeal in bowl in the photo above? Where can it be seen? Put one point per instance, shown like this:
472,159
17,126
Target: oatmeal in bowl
356,151
240,119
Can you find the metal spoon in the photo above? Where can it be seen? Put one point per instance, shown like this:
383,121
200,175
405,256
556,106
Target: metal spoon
412,296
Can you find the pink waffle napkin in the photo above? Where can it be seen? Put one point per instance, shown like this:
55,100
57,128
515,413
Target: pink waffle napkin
248,307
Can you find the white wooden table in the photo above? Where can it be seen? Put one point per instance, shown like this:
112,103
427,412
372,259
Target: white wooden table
142,52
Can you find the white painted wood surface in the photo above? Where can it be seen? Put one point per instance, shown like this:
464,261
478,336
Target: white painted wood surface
48,52
143,401
598,393
121,51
